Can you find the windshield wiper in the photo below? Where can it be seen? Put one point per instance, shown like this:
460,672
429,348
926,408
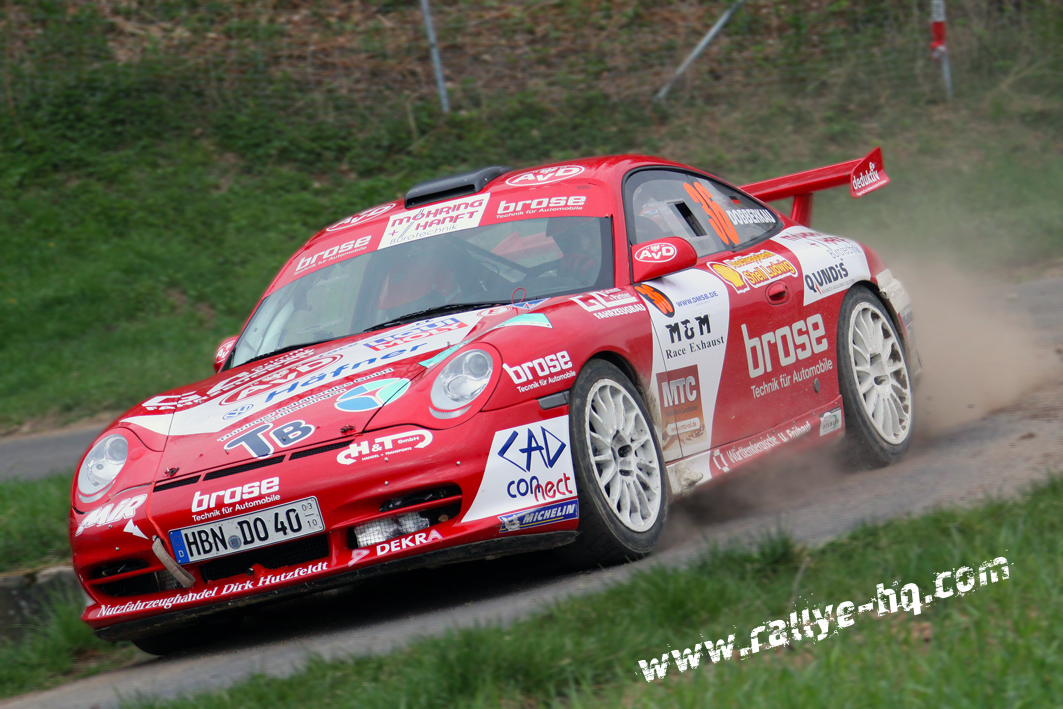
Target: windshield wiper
422,314
289,348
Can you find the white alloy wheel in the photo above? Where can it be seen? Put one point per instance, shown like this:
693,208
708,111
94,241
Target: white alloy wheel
877,358
624,455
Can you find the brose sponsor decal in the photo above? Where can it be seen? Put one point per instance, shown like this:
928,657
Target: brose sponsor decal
542,203
111,513
527,465
756,270
208,501
786,379
557,512
330,253
384,445
544,175
656,253
550,364
798,341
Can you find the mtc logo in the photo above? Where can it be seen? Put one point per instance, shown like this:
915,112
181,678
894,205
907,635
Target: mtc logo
679,391
683,330
551,364
233,495
798,341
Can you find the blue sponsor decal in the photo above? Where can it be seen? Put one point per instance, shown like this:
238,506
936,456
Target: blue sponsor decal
530,304
372,395
557,512
178,544
533,319
432,361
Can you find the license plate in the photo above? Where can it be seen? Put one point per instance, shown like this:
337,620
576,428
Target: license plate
253,530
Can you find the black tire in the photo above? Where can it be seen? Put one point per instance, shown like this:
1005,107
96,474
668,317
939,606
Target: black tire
869,443
191,637
604,539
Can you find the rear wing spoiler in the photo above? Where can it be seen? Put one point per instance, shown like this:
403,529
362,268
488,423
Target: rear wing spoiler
863,176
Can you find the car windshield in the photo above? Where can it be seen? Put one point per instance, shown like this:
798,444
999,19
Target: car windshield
499,263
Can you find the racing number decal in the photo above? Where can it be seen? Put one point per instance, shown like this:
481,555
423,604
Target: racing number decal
717,216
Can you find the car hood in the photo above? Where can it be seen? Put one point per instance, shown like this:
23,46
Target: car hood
199,427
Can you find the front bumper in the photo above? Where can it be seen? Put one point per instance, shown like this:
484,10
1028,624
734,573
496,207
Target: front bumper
349,494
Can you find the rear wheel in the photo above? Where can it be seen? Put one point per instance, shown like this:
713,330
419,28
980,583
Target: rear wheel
875,386
619,466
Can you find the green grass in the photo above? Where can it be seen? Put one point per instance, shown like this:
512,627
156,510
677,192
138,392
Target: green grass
60,648
144,212
998,646
33,523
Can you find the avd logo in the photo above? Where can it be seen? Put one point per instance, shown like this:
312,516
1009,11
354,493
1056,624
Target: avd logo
656,253
544,175
373,395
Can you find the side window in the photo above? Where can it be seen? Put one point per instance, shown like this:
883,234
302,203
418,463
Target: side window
710,215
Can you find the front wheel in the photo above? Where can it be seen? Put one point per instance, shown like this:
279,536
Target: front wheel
619,466
875,386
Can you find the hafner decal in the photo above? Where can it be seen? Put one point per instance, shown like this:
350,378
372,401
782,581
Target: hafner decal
526,466
798,341
439,218
544,175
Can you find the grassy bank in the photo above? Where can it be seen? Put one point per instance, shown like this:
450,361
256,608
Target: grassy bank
33,523
145,207
58,649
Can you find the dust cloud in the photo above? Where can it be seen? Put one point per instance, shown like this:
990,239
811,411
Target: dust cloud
979,350
980,353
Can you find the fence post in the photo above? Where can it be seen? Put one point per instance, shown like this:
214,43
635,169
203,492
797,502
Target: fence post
437,63
939,51
699,49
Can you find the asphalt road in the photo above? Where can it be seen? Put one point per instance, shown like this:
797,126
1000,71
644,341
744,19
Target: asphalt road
1000,453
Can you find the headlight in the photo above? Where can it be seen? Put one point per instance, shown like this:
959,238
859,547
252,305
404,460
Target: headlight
101,466
461,381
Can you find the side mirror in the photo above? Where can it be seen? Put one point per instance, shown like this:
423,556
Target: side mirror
661,257
223,351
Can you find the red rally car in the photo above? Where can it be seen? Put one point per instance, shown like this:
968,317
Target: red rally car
505,361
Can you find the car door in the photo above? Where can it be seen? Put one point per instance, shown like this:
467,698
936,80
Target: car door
730,326
689,310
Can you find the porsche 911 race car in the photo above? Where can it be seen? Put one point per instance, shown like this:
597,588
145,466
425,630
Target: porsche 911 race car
505,361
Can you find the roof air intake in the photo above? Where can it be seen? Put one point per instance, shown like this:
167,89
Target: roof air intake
454,186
